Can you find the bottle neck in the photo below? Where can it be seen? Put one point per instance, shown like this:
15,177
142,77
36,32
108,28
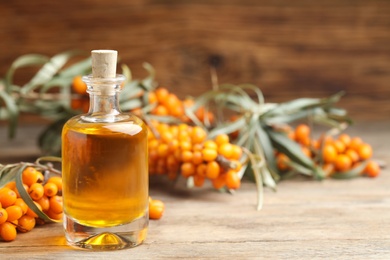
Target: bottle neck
104,99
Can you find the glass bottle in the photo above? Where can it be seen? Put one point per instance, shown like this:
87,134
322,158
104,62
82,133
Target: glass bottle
105,167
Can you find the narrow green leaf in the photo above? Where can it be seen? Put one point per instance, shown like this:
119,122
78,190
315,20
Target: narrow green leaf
228,128
82,68
48,71
352,173
23,61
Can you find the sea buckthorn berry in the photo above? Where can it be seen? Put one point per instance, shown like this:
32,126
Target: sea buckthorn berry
53,215
198,135
57,181
220,181
236,152
44,202
156,209
306,151
11,185
162,150
185,145
226,150
352,154
161,94
3,215
41,178
152,97
212,170
198,180
187,156
166,137
372,169
8,231
187,169
50,189
79,86
329,153
197,157
209,155
236,165
14,212
30,176
56,204
31,213
342,162
221,139
355,143
201,169
26,223
232,180
282,162
210,144
36,191
20,202
7,197
160,110
302,132
340,146
364,151
345,138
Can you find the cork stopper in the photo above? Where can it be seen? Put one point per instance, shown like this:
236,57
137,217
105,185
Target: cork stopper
104,63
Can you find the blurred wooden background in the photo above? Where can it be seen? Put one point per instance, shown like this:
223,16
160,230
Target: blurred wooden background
290,49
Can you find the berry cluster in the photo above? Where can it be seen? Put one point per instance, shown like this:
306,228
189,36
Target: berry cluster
184,149
15,215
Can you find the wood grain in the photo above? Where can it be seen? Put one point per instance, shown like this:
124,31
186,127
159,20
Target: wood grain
289,49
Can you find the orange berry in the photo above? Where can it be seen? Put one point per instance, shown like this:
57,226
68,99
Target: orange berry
306,151
197,157
355,143
210,144
226,150
162,150
36,191
198,135
209,155
14,212
20,202
166,137
187,156
219,182
372,169
346,139
160,110
56,204
329,153
79,86
30,176
282,162
232,180
3,215
7,197
26,223
236,152
352,154
152,97
199,180
339,145
187,169
44,203
201,169
328,169
156,209
364,151
50,189
212,170
53,215
185,145
221,139
11,185
161,94
302,132
8,231
57,181
342,162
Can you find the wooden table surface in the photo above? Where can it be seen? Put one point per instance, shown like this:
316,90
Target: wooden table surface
304,219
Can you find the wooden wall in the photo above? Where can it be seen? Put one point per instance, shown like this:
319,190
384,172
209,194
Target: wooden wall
290,49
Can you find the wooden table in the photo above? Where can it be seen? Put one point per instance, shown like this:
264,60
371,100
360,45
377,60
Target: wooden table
304,219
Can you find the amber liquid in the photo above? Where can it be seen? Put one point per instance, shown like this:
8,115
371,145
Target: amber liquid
105,175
